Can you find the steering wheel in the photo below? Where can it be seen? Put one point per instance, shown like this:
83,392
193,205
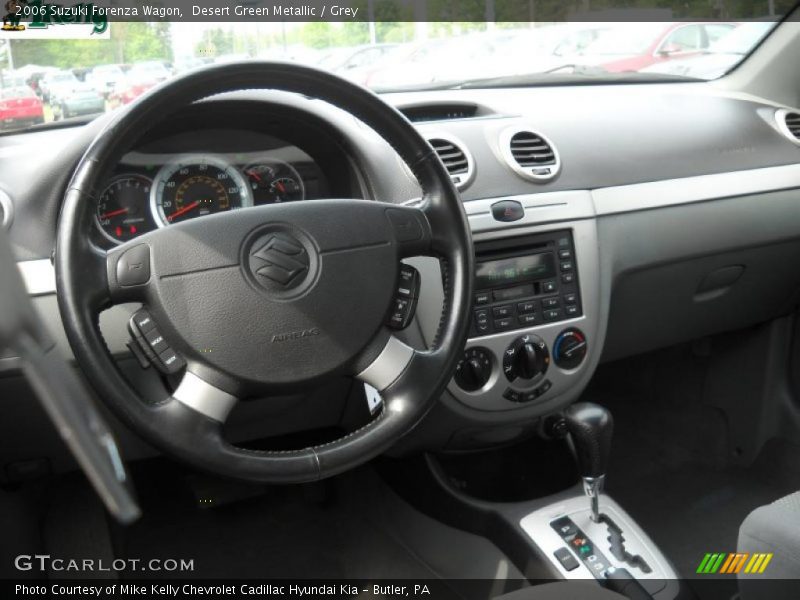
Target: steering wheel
269,299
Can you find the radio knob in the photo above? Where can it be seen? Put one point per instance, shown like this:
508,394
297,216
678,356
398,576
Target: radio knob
474,369
526,358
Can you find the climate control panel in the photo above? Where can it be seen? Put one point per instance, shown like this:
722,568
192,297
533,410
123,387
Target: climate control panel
526,369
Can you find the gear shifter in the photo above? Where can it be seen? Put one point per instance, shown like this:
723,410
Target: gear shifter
591,426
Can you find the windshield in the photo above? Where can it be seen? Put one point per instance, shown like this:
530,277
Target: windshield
128,58
742,39
630,38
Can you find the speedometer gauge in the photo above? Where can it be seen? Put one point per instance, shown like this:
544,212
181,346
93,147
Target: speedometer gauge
122,211
194,186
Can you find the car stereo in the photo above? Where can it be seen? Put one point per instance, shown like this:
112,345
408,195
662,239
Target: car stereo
524,282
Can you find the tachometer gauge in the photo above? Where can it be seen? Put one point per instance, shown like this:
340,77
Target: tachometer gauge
273,181
194,186
122,212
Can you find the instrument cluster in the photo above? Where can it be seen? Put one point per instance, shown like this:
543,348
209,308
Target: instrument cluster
142,197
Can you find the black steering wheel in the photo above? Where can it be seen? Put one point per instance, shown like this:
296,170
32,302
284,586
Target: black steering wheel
244,330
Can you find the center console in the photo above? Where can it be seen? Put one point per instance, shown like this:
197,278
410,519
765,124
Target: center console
534,315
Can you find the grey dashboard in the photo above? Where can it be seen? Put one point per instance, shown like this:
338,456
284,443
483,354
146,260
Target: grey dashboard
684,204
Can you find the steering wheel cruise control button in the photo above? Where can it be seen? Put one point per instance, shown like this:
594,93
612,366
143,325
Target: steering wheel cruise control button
133,267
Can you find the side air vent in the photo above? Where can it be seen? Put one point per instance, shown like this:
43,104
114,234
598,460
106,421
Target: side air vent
456,159
529,154
789,124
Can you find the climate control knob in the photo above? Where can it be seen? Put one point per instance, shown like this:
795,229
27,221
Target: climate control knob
570,348
526,358
474,369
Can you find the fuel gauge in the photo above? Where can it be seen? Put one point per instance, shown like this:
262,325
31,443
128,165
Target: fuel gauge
273,181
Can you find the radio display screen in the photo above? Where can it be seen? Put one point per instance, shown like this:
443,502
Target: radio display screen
517,269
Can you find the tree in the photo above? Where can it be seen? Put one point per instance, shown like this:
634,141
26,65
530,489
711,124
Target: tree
215,42
128,42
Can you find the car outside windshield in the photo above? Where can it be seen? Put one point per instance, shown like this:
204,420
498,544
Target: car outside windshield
384,56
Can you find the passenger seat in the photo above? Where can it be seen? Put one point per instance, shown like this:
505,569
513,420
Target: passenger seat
774,528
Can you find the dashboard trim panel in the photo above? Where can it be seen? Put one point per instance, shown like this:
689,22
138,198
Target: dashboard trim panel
687,190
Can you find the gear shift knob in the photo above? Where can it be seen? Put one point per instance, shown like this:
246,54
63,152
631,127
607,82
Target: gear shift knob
591,426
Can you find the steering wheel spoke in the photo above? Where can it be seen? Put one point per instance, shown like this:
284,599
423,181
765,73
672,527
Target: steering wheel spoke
384,369
204,397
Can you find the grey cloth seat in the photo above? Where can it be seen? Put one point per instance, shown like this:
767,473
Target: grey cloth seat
774,528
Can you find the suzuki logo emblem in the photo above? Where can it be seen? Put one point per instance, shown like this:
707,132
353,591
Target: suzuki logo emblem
280,258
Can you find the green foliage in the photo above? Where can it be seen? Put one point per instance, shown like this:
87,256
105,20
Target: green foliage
215,42
128,43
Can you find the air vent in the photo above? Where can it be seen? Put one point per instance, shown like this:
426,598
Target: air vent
789,124
456,159
530,154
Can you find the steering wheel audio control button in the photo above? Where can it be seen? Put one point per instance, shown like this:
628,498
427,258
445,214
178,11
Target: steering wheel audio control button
133,267
156,341
172,363
143,321
150,347
405,300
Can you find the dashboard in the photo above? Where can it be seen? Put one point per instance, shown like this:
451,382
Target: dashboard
192,174
678,188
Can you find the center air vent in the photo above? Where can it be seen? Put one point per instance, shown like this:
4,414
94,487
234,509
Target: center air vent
789,124
529,154
456,159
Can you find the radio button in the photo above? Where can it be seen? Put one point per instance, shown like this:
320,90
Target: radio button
571,310
482,298
548,286
565,253
552,314
526,307
482,320
570,298
527,319
502,311
566,265
567,278
550,303
503,324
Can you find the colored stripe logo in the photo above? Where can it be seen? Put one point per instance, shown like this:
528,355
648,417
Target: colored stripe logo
734,562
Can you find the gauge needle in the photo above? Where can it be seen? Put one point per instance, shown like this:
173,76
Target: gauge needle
254,175
113,213
184,210
281,187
